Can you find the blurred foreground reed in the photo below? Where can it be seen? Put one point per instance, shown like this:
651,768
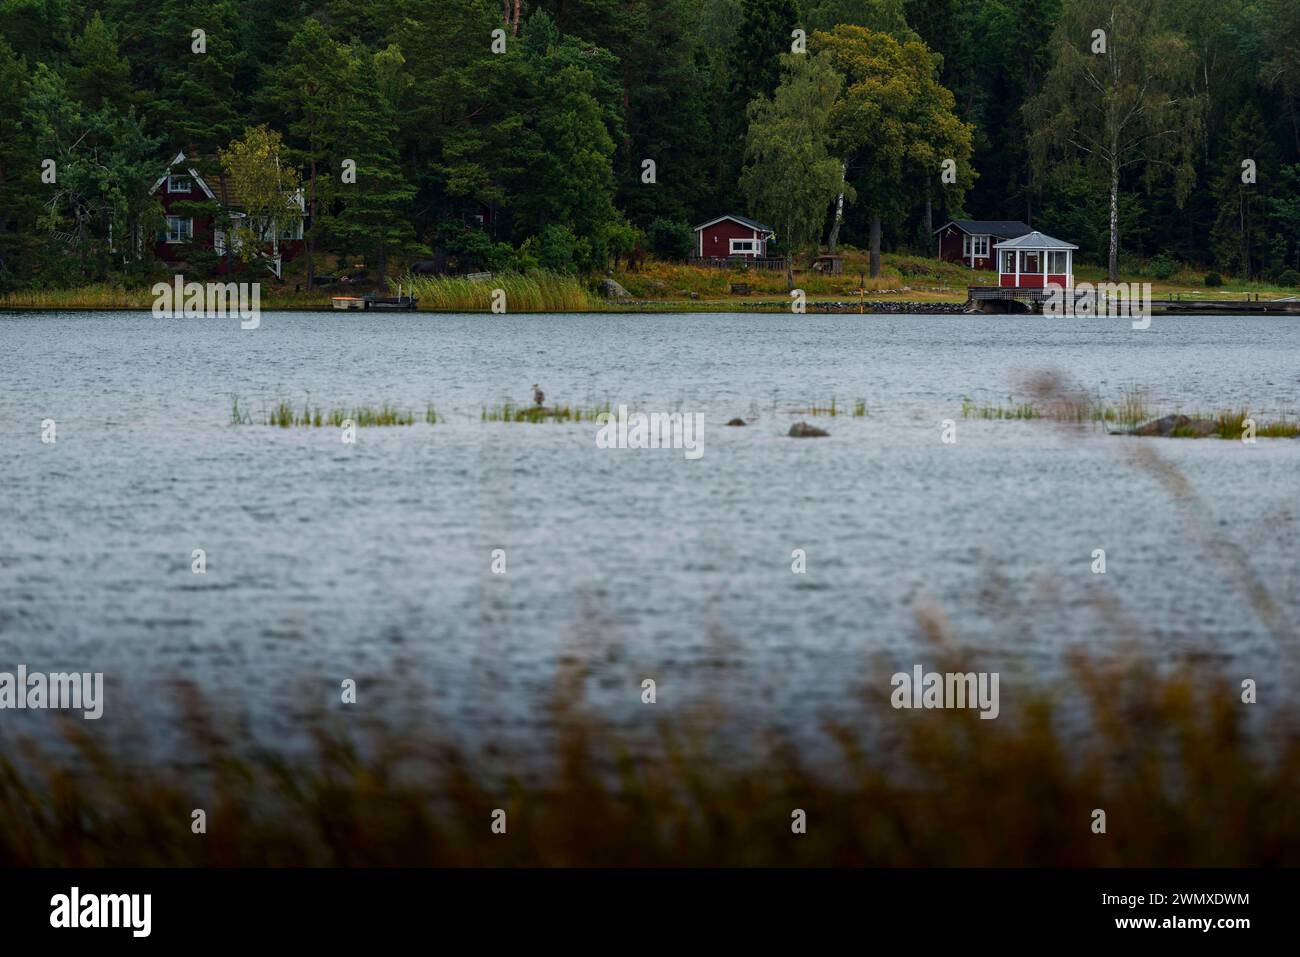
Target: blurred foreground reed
1170,758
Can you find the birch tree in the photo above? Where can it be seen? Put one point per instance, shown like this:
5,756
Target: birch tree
1119,97
266,186
790,175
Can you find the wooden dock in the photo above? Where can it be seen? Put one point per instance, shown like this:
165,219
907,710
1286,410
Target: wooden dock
371,301
1029,300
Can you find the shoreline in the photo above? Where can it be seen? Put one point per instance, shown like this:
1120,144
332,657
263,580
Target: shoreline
777,307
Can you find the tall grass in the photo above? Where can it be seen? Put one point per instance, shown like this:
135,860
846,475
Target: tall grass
508,411
830,410
283,415
1231,425
1131,411
1058,405
540,291
1169,759
1012,410
96,296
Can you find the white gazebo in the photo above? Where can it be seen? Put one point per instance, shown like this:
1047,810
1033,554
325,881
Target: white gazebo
1035,260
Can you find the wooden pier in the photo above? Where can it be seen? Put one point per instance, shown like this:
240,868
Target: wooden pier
1001,300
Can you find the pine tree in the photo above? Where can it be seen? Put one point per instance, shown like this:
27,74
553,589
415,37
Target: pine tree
374,215
310,87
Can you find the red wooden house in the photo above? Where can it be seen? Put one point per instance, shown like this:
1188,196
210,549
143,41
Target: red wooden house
971,241
182,183
731,237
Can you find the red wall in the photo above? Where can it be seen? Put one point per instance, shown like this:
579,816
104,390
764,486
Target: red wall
950,246
717,239
1028,281
171,252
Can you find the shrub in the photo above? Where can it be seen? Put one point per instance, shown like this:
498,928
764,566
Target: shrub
669,239
1163,266
555,248
1289,278
1213,279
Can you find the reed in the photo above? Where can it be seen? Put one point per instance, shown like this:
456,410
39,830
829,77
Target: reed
1231,424
540,291
239,416
508,411
1061,406
1012,410
283,415
97,296
1169,758
831,410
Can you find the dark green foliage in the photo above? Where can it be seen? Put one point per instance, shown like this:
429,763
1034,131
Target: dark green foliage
1163,266
539,153
670,240
373,217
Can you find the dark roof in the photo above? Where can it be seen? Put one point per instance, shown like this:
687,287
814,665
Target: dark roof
208,169
743,220
1002,228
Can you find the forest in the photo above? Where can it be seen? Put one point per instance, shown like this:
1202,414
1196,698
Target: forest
569,135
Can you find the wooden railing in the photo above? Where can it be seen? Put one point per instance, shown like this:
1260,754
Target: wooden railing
737,262
1036,293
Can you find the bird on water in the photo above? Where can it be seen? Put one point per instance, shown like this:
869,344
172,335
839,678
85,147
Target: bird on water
538,395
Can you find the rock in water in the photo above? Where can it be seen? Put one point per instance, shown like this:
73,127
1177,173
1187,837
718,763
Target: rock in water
736,422
802,430
612,290
1162,426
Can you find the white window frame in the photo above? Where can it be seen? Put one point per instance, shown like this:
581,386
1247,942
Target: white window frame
740,247
1055,258
980,244
173,177
183,235
965,245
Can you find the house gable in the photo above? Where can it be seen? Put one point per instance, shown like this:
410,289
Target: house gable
194,174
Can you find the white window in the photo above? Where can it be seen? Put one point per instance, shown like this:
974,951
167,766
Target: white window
744,246
1008,261
1056,262
965,246
178,184
179,229
981,244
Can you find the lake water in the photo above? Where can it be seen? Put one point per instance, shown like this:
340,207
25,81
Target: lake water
373,560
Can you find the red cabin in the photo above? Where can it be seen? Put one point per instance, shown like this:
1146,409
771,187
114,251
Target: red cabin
182,183
1035,260
731,237
971,241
